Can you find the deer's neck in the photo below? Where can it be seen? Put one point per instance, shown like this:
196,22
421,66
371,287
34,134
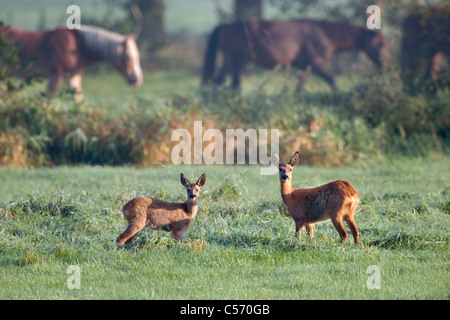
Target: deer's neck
191,207
286,191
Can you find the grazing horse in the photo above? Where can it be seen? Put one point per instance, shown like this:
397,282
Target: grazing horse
61,52
299,43
425,40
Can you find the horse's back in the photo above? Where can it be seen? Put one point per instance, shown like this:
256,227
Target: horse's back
29,40
291,41
55,49
267,42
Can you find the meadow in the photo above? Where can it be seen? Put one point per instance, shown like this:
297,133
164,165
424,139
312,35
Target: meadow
240,246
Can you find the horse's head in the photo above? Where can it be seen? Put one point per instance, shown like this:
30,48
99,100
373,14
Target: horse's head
374,44
129,64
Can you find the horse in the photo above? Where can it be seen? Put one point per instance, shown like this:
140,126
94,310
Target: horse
62,52
425,40
298,43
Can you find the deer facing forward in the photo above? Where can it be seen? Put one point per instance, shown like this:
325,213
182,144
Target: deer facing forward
336,200
154,213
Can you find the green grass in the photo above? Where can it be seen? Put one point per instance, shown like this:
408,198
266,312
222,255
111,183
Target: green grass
240,246
108,90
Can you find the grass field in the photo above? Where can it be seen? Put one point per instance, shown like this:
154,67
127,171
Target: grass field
240,246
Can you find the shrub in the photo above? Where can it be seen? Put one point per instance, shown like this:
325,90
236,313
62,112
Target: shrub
228,190
373,119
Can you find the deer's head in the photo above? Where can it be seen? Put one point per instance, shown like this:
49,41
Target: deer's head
285,169
193,189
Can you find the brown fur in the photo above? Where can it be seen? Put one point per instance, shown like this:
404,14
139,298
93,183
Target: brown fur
336,200
61,53
299,43
155,214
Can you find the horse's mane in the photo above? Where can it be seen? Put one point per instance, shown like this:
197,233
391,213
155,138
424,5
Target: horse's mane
102,44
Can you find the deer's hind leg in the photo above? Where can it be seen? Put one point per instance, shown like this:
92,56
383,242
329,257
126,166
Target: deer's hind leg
337,222
129,234
350,219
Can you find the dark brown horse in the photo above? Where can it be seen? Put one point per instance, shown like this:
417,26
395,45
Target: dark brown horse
299,43
61,52
425,40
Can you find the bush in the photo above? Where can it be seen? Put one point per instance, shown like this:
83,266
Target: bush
406,120
228,190
373,119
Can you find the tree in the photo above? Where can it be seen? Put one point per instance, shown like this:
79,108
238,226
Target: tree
152,34
248,8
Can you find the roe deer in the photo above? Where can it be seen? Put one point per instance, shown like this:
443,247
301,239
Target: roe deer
154,213
336,200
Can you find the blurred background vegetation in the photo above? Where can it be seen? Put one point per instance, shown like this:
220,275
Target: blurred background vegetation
371,117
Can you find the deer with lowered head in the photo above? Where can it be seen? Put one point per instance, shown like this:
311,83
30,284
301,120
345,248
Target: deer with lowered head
155,214
336,200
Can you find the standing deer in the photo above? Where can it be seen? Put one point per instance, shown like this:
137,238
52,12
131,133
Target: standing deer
154,213
336,200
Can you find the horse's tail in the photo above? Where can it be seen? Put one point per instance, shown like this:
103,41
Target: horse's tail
210,55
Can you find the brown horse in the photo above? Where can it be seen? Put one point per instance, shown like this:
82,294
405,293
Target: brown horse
425,40
61,52
299,43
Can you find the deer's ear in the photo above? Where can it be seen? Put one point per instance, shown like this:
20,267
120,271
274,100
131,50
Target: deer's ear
201,181
184,181
295,159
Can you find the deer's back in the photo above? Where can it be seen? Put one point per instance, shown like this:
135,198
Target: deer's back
155,212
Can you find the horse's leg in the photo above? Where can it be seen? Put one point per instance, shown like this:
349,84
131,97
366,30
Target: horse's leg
223,70
75,86
321,71
221,76
302,76
238,65
54,81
